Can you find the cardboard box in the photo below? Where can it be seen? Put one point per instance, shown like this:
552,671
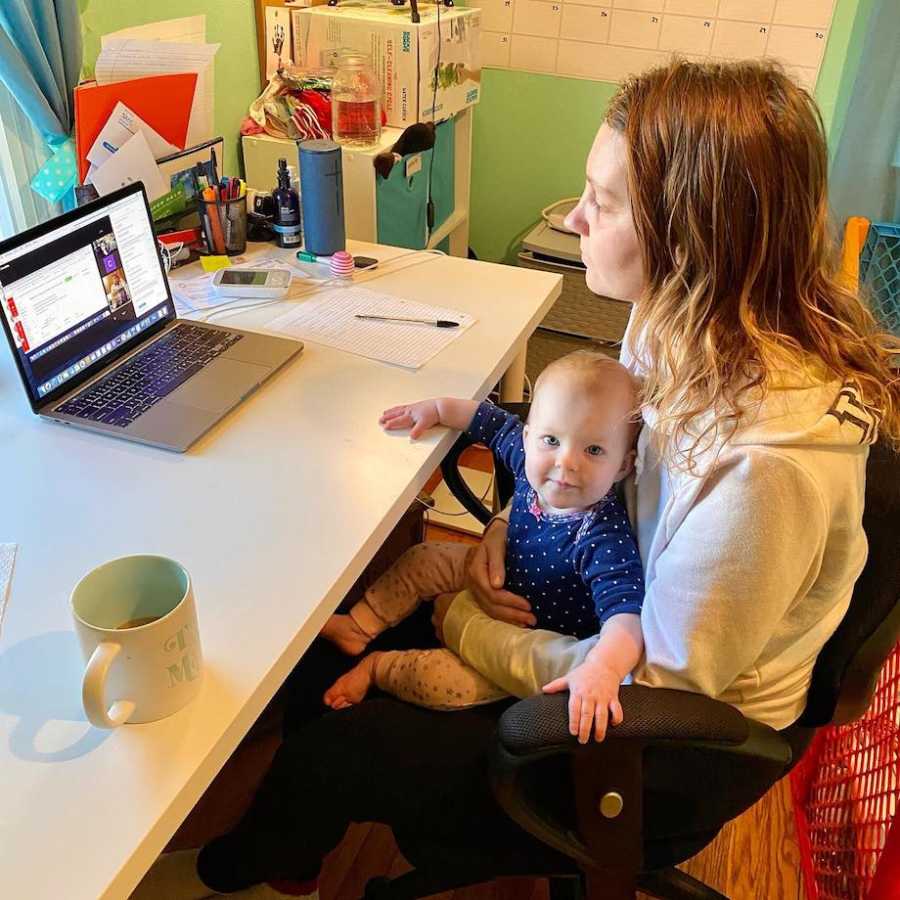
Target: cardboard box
403,55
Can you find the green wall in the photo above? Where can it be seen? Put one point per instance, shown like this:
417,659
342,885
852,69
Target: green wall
230,23
532,134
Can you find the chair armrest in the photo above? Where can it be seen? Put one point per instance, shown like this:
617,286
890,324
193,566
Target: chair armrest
671,748
540,724
457,486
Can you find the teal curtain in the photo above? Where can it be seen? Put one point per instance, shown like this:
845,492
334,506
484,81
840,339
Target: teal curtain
866,168
23,151
40,61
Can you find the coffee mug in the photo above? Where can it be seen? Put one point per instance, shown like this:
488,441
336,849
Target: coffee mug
136,622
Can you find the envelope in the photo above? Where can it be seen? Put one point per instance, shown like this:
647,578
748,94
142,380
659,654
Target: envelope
119,127
133,162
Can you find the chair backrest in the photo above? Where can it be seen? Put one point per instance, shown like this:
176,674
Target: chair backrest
847,668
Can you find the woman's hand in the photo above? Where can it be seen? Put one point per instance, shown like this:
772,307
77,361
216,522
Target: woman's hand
487,573
593,699
418,417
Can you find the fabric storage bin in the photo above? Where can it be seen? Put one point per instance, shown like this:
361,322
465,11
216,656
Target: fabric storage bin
578,311
402,199
443,188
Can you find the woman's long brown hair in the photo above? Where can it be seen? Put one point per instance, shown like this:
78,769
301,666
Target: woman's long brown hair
727,174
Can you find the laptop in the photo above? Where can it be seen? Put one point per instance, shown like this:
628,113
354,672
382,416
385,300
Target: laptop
91,323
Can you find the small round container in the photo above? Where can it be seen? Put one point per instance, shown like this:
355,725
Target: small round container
356,101
341,265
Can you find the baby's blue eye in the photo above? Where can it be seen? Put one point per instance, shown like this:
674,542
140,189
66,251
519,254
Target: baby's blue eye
594,450
550,440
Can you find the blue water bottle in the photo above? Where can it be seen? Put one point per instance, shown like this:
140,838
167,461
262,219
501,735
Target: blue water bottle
322,195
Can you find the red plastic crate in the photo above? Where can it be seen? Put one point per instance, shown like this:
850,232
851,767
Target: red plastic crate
846,793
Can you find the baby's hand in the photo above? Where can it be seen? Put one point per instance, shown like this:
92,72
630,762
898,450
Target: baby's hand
418,417
593,699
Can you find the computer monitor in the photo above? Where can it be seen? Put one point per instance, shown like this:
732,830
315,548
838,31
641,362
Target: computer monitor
81,290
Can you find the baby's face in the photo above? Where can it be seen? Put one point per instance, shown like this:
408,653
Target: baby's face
577,441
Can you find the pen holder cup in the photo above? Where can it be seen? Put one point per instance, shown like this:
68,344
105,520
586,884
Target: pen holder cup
225,225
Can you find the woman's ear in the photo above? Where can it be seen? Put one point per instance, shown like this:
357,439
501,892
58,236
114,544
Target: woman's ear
627,465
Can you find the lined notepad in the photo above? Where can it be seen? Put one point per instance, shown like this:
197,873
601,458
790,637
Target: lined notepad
329,317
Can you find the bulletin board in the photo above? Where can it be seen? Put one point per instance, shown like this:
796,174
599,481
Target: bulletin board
608,40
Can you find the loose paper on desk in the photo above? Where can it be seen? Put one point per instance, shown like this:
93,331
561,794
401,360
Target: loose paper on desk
133,162
7,559
329,317
195,293
119,127
160,48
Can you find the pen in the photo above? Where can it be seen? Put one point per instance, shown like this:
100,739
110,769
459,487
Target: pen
306,256
438,323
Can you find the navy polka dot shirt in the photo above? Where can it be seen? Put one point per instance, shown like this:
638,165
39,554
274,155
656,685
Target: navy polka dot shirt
575,570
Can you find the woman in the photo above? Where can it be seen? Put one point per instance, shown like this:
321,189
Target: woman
764,383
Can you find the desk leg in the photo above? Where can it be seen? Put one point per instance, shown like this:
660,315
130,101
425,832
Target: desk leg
513,381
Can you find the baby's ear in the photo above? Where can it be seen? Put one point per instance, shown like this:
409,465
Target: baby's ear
627,465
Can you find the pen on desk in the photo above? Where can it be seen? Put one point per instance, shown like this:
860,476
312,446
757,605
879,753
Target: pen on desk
438,323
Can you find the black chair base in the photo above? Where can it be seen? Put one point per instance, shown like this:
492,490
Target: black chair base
673,884
666,884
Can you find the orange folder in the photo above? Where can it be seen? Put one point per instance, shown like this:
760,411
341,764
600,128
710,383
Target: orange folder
162,101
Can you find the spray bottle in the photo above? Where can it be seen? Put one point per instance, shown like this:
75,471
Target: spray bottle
287,209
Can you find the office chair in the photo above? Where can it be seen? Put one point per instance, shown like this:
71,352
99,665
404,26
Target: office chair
620,815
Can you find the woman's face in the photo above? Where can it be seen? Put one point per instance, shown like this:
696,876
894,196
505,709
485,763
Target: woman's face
609,244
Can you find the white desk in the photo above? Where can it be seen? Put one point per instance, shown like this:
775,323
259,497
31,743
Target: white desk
275,513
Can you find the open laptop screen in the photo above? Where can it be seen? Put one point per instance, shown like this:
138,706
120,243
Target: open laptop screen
76,295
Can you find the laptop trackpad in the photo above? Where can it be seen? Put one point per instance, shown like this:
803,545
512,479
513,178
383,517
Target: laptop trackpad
220,385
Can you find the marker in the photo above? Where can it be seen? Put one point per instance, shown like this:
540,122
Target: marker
438,323
306,256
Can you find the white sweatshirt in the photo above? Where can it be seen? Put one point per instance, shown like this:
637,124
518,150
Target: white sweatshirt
749,562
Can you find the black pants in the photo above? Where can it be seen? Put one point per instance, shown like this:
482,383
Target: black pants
422,772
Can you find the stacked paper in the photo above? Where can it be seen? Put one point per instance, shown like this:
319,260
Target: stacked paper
161,48
127,147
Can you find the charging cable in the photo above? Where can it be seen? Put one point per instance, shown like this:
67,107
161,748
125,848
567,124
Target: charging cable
386,268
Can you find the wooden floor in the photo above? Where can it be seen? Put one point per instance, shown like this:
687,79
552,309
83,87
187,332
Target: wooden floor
755,857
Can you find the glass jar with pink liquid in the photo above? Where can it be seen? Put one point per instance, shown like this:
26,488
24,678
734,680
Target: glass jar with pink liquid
356,101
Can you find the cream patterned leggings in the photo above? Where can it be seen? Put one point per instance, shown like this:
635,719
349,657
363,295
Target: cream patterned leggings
438,679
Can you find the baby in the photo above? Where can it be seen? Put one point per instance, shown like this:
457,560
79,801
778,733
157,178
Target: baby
570,549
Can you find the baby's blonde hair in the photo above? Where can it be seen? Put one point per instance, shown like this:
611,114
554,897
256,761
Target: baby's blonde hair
594,370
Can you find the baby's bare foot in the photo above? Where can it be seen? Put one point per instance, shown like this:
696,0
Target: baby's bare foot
352,687
344,633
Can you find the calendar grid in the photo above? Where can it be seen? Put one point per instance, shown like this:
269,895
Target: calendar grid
607,40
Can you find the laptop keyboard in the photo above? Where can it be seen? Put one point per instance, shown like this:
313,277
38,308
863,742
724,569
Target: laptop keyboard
129,391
